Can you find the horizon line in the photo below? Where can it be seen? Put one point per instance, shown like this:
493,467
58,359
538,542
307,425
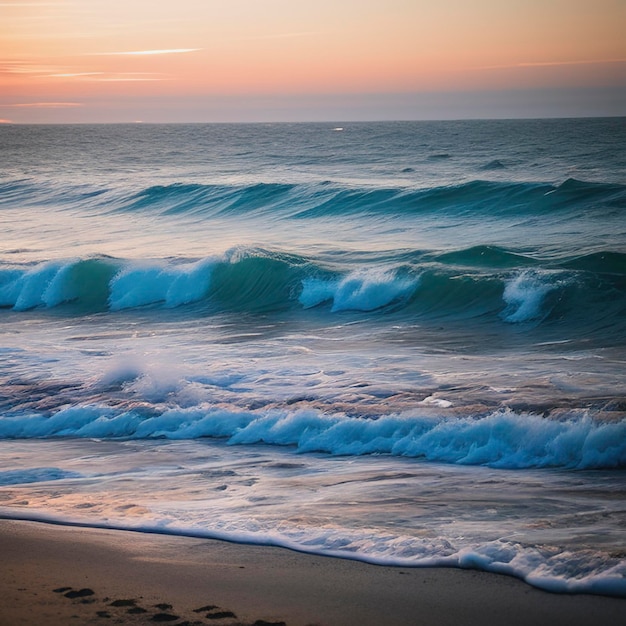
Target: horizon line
5,122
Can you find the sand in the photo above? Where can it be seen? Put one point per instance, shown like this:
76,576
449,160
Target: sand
57,575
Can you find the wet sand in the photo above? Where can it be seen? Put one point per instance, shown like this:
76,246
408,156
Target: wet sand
59,575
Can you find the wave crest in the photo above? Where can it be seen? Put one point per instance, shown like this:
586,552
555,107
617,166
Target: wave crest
485,283
502,439
324,199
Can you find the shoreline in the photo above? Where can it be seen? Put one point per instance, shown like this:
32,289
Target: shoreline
144,578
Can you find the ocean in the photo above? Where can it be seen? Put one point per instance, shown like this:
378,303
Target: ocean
403,343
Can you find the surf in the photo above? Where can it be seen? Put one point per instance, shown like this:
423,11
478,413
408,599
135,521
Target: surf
502,439
580,294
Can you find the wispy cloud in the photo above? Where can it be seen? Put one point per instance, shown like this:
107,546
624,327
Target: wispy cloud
51,72
44,105
146,52
126,79
28,67
111,77
73,74
550,64
5,121
589,62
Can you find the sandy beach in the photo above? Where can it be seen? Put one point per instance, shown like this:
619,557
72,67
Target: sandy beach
57,575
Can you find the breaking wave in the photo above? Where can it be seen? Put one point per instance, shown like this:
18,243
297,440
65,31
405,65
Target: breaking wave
484,283
502,439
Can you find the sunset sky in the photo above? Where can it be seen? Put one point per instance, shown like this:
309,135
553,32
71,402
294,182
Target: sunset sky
290,60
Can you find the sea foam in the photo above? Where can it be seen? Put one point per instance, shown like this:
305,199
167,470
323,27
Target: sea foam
139,284
361,290
501,439
559,571
524,296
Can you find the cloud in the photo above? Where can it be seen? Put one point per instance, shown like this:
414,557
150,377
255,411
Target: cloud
126,79
5,121
550,64
27,67
44,105
111,77
146,52
74,74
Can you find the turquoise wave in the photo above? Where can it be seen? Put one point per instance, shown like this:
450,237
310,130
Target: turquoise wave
327,200
489,285
502,439
332,200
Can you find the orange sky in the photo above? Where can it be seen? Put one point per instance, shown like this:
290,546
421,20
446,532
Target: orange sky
120,60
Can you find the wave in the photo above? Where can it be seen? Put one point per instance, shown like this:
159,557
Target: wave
180,198
325,199
601,262
496,164
494,257
483,282
503,439
363,290
477,197
553,570
52,283
27,192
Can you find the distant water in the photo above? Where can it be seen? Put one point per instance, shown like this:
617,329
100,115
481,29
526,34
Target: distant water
397,342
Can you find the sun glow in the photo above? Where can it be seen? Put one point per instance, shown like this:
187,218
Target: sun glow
177,55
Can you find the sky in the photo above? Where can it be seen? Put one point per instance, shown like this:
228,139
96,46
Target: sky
68,61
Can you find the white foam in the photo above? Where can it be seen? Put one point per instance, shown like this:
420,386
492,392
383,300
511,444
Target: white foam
524,296
552,570
438,402
11,286
60,288
360,290
502,439
27,289
52,283
315,291
140,284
